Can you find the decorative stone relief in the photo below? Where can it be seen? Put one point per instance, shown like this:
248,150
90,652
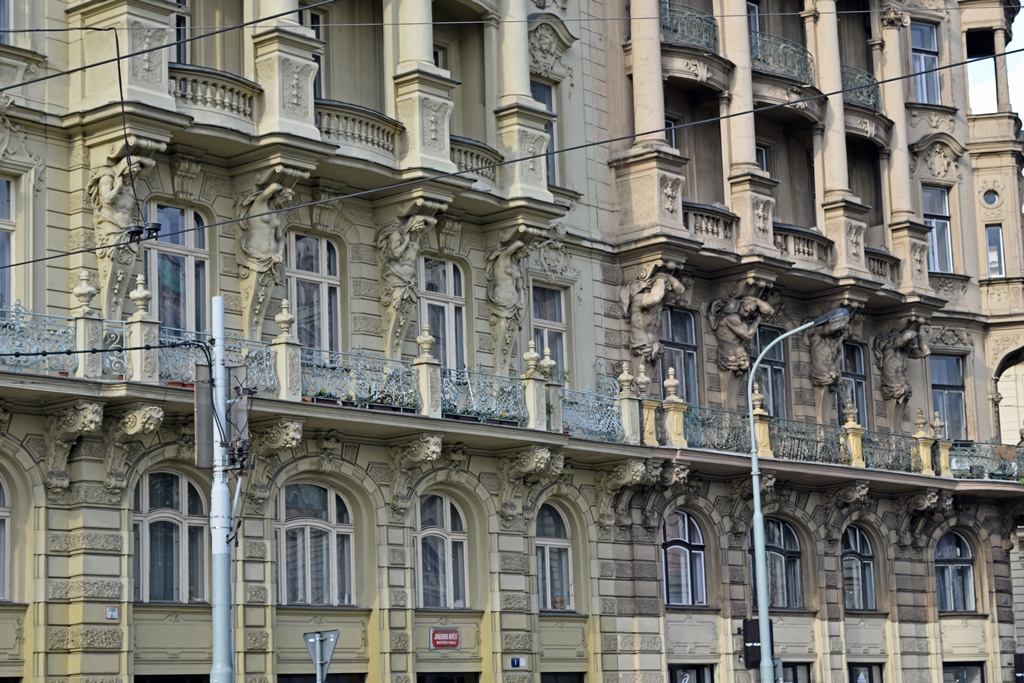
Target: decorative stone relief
434,114
407,459
63,429
148,67
551,256
762,214
670,187
562,5
260,247
121,434
891,352
296,86
893,18
185,169
549,39
505,289
448,230
919,256
114,209
324,207
268,443
935,120
532,148
400,244
610,483
734,322
953,290
536,466
642,301
329,445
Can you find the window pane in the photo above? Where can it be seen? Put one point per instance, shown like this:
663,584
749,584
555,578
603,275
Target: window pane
171,290
295,565
199,295
319,567
172,222
431,512
955,419
935,201
946,370
195,502
542,577
794,592
868,581
922,36
344,569
307,313
163,491
435,276
677,575
560,597
438,330
341,515
137,561
333,311
456,519
943,589
547,304
434,572
332,259
307,253
198,236
550,523
196,563
6,212
458,574
697,576
460,334
305,501
556,344
6,298
164,563
456,281
853,589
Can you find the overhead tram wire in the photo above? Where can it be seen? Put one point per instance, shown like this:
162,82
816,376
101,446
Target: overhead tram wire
529,157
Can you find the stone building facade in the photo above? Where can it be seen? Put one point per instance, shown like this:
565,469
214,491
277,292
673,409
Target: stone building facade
500,388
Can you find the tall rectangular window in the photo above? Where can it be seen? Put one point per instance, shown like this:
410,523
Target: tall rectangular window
948,394
865,673
924,45
771,375
994,250
314,20
763,157
545,95
313,291
963,673
176,268
935,205
854,384
6,243
443,307
549,323
182,23
679,344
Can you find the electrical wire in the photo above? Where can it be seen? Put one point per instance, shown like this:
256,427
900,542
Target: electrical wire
112,349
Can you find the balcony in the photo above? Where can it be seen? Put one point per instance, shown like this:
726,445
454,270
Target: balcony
808,248
883,266
774,55
214,97
358,132
714,226
468,155
688,27
42,345
861,88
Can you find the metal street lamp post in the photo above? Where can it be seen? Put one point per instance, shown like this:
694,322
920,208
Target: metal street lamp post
760,553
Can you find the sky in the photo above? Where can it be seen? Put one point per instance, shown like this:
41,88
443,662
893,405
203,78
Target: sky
982,78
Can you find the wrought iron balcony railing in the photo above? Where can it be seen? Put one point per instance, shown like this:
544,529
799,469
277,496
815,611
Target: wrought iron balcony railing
25,332
896,452
809,442
772,54
483,396
718,429
358,378
968,460
591,415
177,363
687,26
860,88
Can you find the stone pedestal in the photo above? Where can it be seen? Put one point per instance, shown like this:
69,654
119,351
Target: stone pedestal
288,365
845,226
910,244
650,187
754,201
285,69
423,103
522,133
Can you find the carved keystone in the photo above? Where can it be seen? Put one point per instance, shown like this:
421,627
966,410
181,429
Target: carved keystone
617,481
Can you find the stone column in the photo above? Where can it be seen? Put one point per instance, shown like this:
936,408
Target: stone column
648,90
1002,77
894,99
143,330
830,80
88,330
428,375
415,35
514,54
736,48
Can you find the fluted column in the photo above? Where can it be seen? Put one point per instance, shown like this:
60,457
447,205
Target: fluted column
514,51
830,80
1002,77
648,89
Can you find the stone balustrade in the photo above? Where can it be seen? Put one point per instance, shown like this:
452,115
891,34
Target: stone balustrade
883,266
476,159
214,97
715,226
358,131
809,248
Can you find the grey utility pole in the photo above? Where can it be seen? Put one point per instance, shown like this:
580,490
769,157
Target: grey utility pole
220,512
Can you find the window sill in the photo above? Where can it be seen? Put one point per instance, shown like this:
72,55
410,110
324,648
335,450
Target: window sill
953,614
692,608
447,610
325,608
937,108
796,611
566,613
168,605
867,612
20,54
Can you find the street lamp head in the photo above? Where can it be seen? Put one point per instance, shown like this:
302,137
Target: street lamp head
835,315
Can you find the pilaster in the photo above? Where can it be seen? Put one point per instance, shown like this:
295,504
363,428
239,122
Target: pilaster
910,244
423,103
845,225
522,134
649,181
754,202
285,69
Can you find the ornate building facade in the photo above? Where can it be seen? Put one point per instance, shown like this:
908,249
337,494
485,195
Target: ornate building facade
496,390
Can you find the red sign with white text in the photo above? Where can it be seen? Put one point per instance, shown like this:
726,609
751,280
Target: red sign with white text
444,638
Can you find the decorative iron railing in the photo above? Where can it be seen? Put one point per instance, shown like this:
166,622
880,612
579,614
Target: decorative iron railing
684,25
469,154
986,460
716,428
215,91
891,452
591,415
348,124
25,332
116,360
808,442
177,363
483,396
772,54
860,88
359,378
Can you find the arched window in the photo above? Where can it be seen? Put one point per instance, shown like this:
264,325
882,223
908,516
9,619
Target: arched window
858,570
683,555
785,587
314,292
554,571
954,574
170,531
175,265
441,546
315,546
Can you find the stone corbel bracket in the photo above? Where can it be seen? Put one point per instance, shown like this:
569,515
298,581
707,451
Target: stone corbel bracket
917,510
615,482
406,460
63,428
329,446
184,168
519,475
324,208
268,442
181,432
672,475
122,434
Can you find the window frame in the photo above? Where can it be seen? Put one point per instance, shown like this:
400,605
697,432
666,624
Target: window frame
692,547
336,529
874,671
181,27
454,307
315,20
702,673
329,339
544,330
450,537
790,558
6,21
861,555
144,518
8,235
548,100
775,369
946,601
5,542
853,385
925,58
941,233
687,371
546,597
196,312
942,392
995,230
